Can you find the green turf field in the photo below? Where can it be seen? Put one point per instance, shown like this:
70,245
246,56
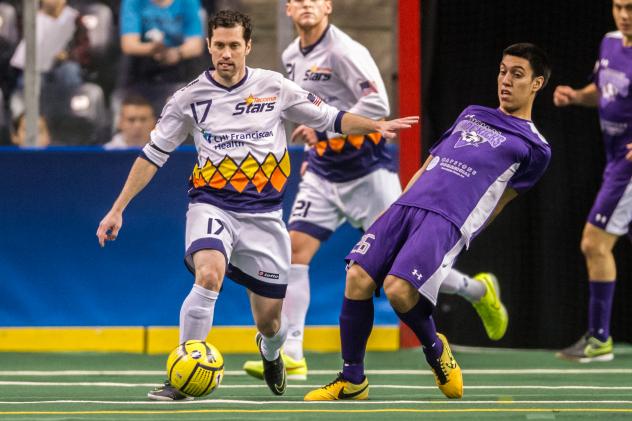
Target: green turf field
499,385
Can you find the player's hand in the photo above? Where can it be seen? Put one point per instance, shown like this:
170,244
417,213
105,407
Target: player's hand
109,227
628,156
564,95
388,129
304,134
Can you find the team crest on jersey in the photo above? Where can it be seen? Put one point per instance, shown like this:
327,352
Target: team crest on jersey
475,133
612,83
252,105
316,73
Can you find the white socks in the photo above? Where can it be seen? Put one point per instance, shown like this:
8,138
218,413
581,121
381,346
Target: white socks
271,347
196,314
461,284
295,309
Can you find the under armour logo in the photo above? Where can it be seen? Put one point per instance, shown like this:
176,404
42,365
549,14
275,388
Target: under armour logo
417,274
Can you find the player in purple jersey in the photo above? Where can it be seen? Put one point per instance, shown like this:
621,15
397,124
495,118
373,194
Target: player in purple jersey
611,214
351,178
481,163
234,223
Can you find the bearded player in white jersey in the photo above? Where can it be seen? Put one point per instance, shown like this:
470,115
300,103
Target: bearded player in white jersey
234,227
350,178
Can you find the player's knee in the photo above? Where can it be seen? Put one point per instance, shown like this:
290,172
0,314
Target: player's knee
359,285
400,294
268,326
207,276
593,248
303,248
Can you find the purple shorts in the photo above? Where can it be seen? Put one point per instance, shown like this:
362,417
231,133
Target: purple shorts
414,244
612,209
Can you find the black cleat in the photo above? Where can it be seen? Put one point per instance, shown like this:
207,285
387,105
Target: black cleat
166,392
273,371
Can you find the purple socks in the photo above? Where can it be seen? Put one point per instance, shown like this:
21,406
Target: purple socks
419,320
600,309
356,323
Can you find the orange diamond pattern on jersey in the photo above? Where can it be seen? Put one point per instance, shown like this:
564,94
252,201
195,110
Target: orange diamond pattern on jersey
239,181
260,180
217,182
278,179
357,140
321,147
337,144
271,170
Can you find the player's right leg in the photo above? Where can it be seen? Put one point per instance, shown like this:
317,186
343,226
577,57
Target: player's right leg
206,257
356,324
368,263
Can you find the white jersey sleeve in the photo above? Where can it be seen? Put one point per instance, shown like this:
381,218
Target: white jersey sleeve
362,76
302,107
170,131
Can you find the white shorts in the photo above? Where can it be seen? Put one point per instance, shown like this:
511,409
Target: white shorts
321,206
256,246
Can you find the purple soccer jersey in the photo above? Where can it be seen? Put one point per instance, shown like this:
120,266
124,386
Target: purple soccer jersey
482,154
613,73
420,236
612,210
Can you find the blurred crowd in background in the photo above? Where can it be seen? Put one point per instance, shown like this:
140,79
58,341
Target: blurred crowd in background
106,67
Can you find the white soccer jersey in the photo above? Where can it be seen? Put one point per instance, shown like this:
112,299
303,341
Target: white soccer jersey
343,73
243,162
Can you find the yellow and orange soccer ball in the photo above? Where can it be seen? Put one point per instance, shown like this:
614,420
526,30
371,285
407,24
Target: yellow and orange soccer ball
195,368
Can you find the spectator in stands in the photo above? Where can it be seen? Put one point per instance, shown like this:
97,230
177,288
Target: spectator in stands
157,39
18,134
136,121
62,50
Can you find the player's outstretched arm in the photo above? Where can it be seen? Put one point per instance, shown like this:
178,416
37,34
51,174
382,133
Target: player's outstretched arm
141,173
356,124
588,96
628,156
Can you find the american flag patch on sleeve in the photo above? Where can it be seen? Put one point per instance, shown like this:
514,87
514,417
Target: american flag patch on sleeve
368,87
314,99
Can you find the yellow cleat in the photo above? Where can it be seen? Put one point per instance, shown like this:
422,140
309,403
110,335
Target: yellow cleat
448,376
295,369
340,389
490,309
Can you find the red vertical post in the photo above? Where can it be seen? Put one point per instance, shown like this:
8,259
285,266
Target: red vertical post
409,14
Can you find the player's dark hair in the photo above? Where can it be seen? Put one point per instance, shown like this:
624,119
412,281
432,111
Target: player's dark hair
227,18
135,99
537,58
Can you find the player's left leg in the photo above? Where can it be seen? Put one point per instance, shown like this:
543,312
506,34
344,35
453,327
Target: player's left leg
609,218
483,291
261,262
416,311
272,329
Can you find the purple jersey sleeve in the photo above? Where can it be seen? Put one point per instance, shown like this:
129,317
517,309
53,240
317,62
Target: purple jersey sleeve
531,170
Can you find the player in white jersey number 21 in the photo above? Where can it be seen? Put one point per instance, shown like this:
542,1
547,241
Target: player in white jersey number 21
234,227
